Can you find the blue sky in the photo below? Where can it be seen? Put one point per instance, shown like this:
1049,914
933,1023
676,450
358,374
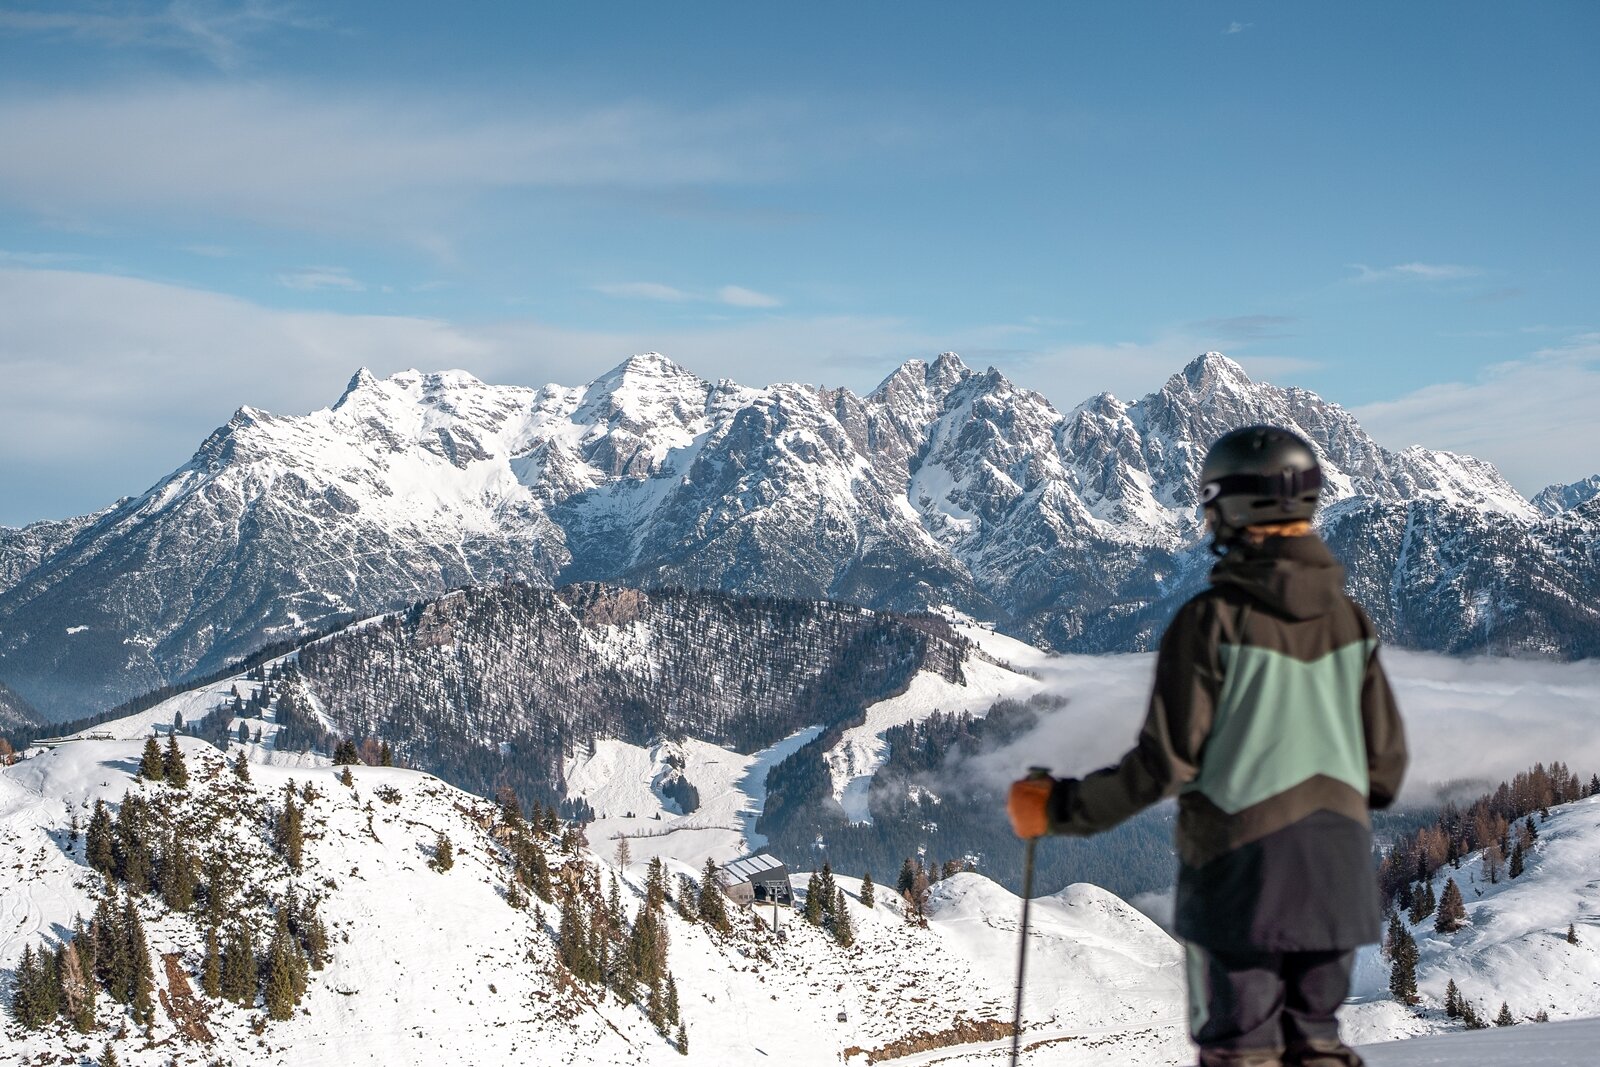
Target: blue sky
209,204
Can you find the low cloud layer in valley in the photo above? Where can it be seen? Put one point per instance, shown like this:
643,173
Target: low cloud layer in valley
1472,720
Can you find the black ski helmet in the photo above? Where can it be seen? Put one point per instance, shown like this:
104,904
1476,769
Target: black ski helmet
1258,474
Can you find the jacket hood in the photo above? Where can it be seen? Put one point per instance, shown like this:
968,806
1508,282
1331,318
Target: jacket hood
1293,576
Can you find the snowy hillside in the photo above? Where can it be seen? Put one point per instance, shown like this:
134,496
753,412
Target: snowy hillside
1076,530
1514,948
425,964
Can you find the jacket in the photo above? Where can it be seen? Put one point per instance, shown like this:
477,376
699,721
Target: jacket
1272,722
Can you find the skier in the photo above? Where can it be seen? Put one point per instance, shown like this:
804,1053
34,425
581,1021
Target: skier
1272,721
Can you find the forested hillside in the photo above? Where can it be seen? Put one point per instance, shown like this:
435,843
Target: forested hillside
494,686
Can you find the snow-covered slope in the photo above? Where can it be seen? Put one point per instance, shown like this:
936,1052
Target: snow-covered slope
944,486
428,965
1564,1044
1514,948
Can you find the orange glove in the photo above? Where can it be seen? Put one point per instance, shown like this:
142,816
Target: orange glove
1028,805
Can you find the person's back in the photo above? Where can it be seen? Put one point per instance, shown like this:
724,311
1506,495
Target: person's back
1272,721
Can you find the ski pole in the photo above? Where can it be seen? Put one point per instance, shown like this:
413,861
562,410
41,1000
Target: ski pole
1022,937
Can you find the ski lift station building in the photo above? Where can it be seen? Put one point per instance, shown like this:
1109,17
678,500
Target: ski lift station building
756,879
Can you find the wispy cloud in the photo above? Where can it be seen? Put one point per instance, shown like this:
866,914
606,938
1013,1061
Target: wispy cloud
1246,327
644,291
408,166
1414,272
1236,27
216,32
208,251
37,259
740,297
1496,296
312,278
729,295
1532,417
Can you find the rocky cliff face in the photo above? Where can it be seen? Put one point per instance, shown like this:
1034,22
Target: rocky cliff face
944,486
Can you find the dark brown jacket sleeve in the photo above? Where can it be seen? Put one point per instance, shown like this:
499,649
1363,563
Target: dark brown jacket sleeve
1385,736
1182,707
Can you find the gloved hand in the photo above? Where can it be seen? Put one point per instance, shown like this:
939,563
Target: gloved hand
1028,805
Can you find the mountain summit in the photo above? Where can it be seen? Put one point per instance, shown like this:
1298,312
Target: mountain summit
944,486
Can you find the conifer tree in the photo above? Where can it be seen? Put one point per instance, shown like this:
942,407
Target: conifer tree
1504,1018
108,1057
239,966
1572,934
1420,908
108,942
672,1001
178,876
1403,968
444,854
1452,1000
682,1043
150,764
688,899
1594,785
1530,830
1515,868
814,900
211,969
142,982
26,997
868,891
843,931
655,885
385,755
177,770
244,733
346,778
218,887
241,767
1452,909
712,906
345,754
510,807
77,984
908,877
130,845
280,995
98,850
624,854
573,939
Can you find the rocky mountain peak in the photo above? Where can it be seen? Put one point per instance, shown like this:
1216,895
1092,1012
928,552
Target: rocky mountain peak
1555,499
1211,372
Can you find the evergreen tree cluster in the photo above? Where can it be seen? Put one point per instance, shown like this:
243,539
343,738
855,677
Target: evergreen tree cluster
149,847
600,945
158,764
110,955
826,908
1487,825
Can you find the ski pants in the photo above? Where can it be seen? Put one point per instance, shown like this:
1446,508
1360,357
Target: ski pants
1269,1009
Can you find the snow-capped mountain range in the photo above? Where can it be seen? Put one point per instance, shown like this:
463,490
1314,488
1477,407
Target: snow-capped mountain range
944,486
